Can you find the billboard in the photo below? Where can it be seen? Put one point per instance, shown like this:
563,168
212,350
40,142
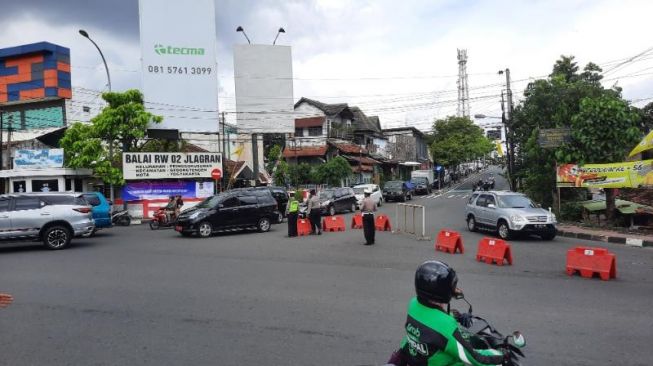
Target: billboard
156,165
38,159
133,191
179,65
264,89
632,174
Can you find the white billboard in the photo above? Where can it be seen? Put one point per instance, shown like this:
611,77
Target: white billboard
179,64
264,89
157,165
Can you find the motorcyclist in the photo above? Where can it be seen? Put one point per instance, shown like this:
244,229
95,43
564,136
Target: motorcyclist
433,335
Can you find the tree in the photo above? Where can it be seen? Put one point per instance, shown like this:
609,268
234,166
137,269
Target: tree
273,156
299,174
280,175
334,171
121,126
457,140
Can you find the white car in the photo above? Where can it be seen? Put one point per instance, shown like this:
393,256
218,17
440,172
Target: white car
375,193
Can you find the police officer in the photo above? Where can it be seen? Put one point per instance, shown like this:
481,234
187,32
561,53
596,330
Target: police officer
368,206
292,208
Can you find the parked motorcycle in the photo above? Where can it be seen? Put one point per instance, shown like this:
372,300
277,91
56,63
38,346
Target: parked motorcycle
160,219
121,218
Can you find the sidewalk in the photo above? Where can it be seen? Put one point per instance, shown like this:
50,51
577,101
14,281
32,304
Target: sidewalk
605,235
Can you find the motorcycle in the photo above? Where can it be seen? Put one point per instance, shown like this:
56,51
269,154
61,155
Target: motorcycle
160,219
121,218
485,336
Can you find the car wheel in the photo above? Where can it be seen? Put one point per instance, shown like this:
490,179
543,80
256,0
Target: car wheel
204,229
263,225
380,202
280,218
404,198
353,207
92,234
504,230
56,237
471,223
125,221
332,209
154,224
410,197
548,236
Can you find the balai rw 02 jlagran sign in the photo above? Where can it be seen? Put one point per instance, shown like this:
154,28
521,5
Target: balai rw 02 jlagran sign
156,165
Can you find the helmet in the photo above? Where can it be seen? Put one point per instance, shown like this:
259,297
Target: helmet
435,280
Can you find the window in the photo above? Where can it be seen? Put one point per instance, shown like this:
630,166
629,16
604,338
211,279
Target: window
92,199
490,201
472,198
86,109
481,201
27,203
247,200
4,205
230,202
315,131
47,185
19,186
299,132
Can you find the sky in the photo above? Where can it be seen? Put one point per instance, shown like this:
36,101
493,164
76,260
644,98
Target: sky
394,59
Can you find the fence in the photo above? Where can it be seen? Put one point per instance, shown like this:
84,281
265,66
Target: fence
410,219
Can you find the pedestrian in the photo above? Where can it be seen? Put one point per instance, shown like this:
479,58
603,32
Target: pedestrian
314,214
292,208
179,203
5,300
368,206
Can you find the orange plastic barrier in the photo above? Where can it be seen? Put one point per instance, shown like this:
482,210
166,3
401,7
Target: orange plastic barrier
357,221
333,223
589,261
494,250
303,227
449,241
382,223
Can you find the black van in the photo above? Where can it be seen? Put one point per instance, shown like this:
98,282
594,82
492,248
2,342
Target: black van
235,209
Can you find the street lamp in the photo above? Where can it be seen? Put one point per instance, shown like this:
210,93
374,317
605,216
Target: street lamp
104,61
240,29
281,30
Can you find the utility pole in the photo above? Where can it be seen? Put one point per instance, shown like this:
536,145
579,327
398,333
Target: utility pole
224,138
463,87
360,165
508,123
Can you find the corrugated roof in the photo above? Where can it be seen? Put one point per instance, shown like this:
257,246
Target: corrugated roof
290,152
328,109
349,148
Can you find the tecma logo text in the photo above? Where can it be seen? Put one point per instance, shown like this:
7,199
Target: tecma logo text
172,50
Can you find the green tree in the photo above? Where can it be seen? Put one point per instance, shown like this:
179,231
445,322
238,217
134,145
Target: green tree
121,126
272,157
457,140
334,171
299,174
280,175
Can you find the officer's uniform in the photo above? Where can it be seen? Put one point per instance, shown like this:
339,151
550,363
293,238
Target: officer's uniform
292,208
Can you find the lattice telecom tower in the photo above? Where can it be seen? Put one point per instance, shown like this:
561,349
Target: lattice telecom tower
463,86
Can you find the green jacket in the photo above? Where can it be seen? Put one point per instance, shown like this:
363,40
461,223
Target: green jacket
433,338
292,206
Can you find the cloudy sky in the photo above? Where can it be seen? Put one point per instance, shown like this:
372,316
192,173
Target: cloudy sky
395,59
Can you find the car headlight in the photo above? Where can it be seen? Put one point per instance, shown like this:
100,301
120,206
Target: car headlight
516,218
552,218
195,215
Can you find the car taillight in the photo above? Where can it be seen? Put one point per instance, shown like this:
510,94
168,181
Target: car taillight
82,209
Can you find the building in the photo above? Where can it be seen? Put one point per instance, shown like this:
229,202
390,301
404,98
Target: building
408,148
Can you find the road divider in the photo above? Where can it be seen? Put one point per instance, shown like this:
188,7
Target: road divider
589,261
357,221
449,241
494,251
333,223
303,227
382,223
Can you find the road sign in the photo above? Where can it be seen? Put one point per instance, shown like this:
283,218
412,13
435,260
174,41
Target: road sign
216,174
554,137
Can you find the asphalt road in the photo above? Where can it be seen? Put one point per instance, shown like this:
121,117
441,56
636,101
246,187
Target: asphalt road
132,296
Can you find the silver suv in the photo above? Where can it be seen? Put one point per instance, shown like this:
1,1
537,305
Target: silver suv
509,213
53,218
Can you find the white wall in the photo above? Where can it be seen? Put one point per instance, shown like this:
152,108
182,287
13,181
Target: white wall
306,110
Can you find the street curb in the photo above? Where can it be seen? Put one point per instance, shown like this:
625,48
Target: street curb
608,239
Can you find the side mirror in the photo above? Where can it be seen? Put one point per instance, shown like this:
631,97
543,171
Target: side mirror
491,206
220,205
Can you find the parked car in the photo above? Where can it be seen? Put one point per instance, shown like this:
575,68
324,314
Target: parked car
53,218
235,209
281,196
422,185
446,180
397,190
101,209
509,213
334,200
375,193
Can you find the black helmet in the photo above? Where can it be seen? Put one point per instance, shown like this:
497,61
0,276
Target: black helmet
436,281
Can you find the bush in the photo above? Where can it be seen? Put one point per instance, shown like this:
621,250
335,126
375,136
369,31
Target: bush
571,211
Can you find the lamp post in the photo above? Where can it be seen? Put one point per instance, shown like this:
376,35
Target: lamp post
240,29
510,145
106,68
281,30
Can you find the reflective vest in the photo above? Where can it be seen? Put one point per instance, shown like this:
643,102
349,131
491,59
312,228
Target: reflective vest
294,206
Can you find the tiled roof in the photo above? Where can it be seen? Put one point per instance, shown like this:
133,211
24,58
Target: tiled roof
328,109
362,159
362,122
290,152
349,148
309,122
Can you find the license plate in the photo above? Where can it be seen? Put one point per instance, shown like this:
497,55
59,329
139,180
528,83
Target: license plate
540,226
178,228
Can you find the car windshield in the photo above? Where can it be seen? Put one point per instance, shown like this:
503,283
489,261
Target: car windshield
393,185
210,202
359,190
515,201
418,180
325,195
